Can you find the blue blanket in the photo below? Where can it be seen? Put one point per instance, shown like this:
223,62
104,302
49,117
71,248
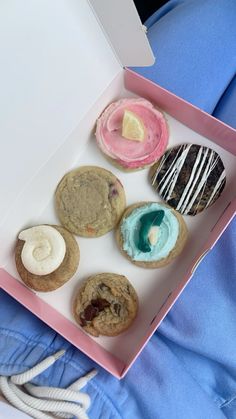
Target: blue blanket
194,42
188,369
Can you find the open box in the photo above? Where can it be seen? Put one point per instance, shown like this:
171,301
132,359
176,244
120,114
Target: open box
53,110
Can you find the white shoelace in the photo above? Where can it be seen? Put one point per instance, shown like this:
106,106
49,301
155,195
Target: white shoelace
34,400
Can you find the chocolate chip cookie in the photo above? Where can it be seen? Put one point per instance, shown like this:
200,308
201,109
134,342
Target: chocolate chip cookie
89,201
106,304
189,178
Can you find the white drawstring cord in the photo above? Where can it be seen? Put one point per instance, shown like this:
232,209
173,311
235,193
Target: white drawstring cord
66,403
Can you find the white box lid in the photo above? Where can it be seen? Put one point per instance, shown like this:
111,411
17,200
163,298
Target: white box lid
55,62
124,31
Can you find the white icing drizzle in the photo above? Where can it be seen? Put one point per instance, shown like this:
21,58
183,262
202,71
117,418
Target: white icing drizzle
203,190
192,179
203,181
173,162
193,184
169,179
200,198
44,249
216,188
174,180
164,158
174,173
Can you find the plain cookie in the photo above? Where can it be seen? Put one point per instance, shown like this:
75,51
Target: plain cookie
89,201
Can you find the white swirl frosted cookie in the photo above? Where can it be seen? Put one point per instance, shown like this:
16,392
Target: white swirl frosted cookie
46,257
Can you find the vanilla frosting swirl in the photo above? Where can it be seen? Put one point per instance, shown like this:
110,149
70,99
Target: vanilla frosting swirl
44,249
132,154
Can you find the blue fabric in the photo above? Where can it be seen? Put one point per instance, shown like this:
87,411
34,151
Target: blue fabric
194,42
188,369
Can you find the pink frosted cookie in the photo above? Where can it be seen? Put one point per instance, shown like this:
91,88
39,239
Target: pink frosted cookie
132,133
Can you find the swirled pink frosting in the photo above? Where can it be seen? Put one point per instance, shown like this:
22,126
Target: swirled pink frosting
127,153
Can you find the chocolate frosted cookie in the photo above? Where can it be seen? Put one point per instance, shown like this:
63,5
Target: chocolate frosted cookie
89,201
189,178
106,304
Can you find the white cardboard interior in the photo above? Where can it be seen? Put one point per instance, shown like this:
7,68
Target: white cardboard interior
55,62
35,205
125,32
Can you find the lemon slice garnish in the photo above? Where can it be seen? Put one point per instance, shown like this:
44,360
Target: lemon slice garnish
132,127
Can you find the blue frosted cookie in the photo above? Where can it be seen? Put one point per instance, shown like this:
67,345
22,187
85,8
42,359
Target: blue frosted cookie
151,234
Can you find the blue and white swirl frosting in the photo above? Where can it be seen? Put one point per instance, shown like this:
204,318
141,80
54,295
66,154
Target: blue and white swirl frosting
167,234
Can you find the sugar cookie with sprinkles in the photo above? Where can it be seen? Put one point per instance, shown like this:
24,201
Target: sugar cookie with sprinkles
189,178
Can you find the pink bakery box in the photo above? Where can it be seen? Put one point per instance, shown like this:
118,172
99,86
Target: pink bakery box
61,68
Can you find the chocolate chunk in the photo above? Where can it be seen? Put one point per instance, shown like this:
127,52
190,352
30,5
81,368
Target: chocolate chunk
90,312
117,308
100,303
